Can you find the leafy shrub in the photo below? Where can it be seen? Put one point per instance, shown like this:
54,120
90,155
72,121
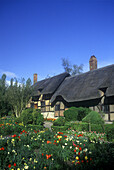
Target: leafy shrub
34,127
82,112
27,116
109,130
94,118
59,128
32,116
71,114
59,122
76,113
37,117
18,119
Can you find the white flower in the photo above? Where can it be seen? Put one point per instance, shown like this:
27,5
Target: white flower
70,147
26,167
63,146
65,143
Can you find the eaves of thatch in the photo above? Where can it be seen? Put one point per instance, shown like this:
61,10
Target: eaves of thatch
87,86
48,86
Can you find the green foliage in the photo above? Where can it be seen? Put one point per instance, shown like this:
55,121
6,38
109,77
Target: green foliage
59,122
59,128
109,130
72,69
93,117
34,127
37,117
76,113
71,114
27,116
82,112
32,116
14,97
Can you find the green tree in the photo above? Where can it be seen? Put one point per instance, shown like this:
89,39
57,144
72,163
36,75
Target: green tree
71,69
15,96
4,104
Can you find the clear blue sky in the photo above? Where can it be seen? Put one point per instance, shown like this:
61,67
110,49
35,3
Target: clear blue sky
36,34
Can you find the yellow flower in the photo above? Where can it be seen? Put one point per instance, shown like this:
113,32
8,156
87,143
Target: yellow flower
77,158
57,141
86,157
18,168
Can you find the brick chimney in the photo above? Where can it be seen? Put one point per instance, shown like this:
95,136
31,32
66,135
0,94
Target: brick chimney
93,63
35,78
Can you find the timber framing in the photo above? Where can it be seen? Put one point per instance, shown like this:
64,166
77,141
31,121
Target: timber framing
93,89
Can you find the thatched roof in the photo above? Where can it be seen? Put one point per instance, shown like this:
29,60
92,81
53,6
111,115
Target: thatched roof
87,86
49,85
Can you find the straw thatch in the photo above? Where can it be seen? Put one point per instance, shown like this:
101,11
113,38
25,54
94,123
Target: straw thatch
86,87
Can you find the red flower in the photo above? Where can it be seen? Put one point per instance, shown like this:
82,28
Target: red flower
59,139
80,148
42,154
78,153
65,136
61,133
19,137
54,140
14,164
82,161
2,148
14,136
74,150
9,165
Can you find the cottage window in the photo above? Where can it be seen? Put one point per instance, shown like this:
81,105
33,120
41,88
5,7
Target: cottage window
57,107
105,108
43,105
32,105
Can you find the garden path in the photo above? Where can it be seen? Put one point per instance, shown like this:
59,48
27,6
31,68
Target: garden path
48,124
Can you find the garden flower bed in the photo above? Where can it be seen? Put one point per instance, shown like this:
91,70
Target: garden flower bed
42,149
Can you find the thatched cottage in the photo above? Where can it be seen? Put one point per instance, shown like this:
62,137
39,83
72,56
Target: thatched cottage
93,89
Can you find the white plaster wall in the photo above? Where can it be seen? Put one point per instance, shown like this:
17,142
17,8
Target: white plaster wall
48,115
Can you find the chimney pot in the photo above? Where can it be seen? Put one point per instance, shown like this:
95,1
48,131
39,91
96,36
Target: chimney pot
93,63
35,78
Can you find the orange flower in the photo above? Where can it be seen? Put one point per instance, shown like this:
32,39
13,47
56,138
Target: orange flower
48,142
45,167
48,156
2,148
